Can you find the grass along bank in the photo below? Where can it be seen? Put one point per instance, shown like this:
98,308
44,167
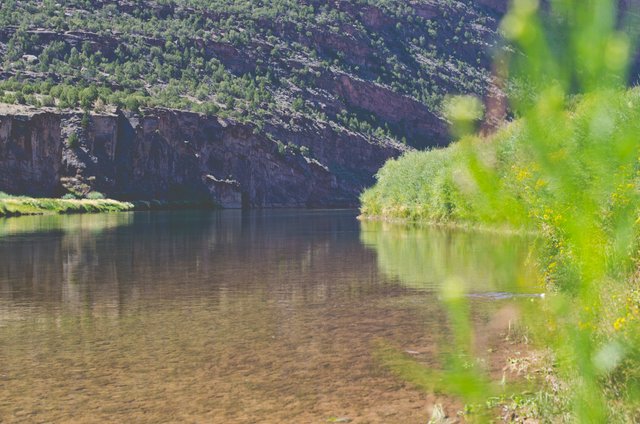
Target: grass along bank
570,171
23,205
20,205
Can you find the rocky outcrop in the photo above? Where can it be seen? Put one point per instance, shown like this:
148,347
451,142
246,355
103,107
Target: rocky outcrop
499,6
375,19
406,115
174,155
30,152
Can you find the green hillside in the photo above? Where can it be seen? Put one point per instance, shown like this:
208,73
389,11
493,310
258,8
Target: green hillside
372,67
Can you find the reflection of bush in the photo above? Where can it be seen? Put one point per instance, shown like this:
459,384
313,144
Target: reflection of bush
91,223
425,257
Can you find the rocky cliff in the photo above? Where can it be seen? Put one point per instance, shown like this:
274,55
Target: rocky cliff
30,152
302,101
177,155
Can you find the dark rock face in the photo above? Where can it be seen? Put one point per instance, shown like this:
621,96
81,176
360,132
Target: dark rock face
30,152
499,6
169,154
407,115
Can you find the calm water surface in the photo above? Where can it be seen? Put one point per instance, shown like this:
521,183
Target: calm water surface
227,317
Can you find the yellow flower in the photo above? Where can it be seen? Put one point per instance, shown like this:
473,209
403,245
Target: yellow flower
523,174
617,325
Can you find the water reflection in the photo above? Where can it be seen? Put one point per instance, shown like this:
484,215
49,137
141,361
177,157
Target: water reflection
217,317
95,223
170,256
425,257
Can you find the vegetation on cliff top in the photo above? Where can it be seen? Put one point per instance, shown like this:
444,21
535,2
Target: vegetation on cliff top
253,61
569,168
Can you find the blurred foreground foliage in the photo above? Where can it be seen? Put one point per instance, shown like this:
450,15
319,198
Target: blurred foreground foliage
568,169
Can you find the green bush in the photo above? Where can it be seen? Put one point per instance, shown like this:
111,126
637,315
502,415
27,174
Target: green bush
95,195
86,120
73,141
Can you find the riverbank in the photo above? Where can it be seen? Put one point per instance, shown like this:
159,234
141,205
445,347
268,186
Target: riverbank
21,205
466,227
571,176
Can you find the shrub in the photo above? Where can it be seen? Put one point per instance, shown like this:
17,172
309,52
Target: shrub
95,195
85,120
298,104
282,148
73,141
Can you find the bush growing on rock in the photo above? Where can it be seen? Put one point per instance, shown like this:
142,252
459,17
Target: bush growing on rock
73,141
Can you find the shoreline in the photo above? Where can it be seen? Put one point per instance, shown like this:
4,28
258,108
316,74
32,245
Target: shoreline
451,225
15,206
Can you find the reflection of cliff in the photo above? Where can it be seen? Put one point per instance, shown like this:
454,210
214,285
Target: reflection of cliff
212,317
46,257
110,261
426,257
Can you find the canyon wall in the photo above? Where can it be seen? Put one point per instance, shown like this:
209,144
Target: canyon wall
174,155
30,152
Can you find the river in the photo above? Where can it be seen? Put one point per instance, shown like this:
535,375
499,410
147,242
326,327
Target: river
232,317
